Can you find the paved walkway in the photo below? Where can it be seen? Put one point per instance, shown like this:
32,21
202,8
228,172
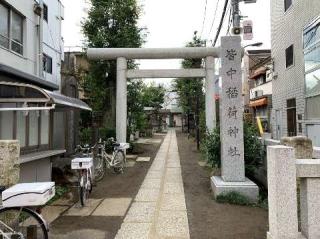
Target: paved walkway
159,209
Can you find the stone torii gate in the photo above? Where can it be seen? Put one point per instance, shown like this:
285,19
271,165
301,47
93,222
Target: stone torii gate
124,54
231,107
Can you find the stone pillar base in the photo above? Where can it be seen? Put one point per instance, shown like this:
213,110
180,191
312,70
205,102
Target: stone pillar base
247,188
299,236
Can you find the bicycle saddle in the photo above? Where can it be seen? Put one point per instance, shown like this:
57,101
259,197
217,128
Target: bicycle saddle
115,144
2,188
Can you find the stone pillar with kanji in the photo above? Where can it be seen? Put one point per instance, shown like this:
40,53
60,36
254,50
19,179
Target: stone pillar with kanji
231,124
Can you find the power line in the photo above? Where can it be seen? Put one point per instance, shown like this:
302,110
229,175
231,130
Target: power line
229,22
204,17
214,17
221,22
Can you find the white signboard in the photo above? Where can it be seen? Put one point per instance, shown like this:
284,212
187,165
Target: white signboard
247,30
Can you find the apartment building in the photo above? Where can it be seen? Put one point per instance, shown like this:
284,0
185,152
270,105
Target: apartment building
32,108
295,36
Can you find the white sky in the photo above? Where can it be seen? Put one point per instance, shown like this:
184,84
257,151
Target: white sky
171,23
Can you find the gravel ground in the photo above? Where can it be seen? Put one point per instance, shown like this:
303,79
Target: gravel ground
208,219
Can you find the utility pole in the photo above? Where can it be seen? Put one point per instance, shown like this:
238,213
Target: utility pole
236,17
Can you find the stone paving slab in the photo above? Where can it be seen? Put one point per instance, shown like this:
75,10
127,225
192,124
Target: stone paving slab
134,231
154,174
131,157
157,167
173,224
77,210
63,202
141,212
174,202
148,141
173,177
51,213
173,164
151,183
81,234
173,188
147,195
143,159
112,207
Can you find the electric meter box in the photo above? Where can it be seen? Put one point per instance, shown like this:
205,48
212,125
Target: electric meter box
28,194
81,163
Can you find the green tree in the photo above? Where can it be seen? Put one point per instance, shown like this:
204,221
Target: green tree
153,96
136,116
110,24
190,90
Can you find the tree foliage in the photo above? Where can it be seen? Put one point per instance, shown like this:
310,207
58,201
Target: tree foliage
189,89
153,97
110,24
253,149
135,98
140,96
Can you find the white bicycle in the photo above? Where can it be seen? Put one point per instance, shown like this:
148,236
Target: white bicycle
84,167
103,160
20,216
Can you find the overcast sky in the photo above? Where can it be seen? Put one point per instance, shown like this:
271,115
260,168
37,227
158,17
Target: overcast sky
171,23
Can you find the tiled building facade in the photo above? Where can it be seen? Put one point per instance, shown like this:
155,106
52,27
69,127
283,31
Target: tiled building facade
295,39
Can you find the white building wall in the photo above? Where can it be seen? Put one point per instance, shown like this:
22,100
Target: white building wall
286,29
27,61
266,88
52,41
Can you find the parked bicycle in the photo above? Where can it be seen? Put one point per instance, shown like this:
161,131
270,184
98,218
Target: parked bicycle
20,216
103,160
84,164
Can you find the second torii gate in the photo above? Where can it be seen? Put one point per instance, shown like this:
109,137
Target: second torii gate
124,54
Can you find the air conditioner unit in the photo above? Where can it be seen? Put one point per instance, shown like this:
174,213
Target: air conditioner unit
37,9
258,93
268,76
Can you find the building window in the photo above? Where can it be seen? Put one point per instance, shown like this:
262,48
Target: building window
45,12
311,44
291,117
289,56
287,4
33,128
11,29
47,64
44,127
6,124
21,128
4,26
260,80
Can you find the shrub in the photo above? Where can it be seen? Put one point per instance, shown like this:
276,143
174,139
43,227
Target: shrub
210,148
233,198
253,149
85,136
106,133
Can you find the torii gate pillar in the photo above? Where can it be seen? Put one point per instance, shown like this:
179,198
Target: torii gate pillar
210,97
121,105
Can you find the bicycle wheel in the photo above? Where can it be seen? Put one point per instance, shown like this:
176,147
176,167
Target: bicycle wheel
82,190
99,168
20,223
119,162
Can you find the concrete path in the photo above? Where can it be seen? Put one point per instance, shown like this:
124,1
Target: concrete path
159,209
